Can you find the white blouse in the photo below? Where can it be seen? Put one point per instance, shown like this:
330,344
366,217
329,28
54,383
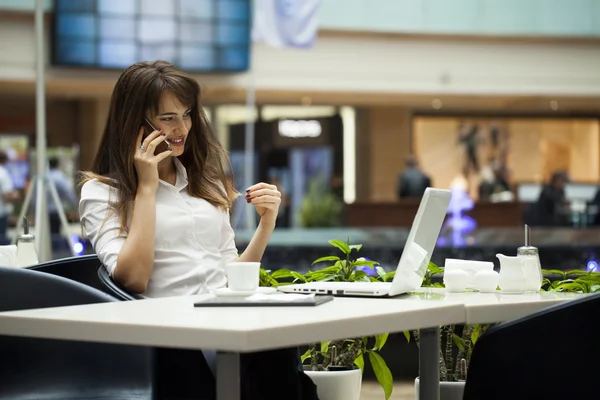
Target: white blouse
192,241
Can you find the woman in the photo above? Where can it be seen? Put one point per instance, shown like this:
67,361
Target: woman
155,208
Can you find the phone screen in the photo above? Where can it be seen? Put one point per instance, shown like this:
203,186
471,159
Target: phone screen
148,129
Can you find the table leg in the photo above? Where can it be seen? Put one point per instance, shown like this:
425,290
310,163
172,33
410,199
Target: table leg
429,368
228,376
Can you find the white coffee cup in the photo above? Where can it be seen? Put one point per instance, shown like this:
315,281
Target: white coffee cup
242,276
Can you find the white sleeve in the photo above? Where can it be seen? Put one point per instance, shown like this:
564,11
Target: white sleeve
228,250
101,224
6,184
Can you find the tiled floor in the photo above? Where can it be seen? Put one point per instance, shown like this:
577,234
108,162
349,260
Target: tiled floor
402,391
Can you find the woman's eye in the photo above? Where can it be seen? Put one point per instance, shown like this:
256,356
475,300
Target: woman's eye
187,114
169,119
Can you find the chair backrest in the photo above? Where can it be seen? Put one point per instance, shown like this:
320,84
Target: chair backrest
22,289
546,355
79,269
112,287
34,368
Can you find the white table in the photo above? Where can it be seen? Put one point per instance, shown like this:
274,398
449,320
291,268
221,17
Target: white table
484,308
175,322
480,308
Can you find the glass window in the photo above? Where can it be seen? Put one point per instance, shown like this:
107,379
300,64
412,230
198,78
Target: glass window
117,54
200,32
201,9
196,35
152,30
75,5
117,28
196,57
117,7
77,25
233,58
231,33
76,52
233,9
161,51
163,8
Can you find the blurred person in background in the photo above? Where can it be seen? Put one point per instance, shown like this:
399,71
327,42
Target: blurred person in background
412,182
552,200
468,136
8,194
65,193
494,181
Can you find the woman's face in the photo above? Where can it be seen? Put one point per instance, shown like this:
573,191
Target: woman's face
173,118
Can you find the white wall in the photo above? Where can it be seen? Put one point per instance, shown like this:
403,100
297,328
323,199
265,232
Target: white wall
467,17
376,64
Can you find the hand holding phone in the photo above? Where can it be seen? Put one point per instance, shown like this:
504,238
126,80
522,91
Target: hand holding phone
148,129
151,149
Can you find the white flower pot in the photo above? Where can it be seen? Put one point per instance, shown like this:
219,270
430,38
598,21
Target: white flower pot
337,385
448,390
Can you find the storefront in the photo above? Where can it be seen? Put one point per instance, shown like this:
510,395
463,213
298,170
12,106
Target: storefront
298,155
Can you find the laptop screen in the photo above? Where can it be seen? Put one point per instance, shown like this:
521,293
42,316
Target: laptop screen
421,241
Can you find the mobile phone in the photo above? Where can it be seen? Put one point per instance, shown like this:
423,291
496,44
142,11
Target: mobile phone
148,129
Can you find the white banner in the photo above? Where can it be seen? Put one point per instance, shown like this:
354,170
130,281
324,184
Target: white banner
285,23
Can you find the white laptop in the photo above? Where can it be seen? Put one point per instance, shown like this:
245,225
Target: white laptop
413,262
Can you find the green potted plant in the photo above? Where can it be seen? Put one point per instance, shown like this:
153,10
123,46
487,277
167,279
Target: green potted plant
457,342
320,207
336,366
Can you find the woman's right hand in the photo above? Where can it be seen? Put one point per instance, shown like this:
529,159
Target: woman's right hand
146,163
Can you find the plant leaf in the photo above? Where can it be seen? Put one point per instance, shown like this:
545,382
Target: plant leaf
356,247
380,340
434,269
576,272
326,258
407,336
458,341
325,346
358,275
305,356
389,275
555,271
297,276
360,263
360,362
382,373
282,273
380,271
476,333
344,248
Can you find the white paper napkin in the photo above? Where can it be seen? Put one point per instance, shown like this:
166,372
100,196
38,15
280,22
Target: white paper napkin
279,297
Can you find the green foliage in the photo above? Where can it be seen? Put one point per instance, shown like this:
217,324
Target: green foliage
350,352
576,281
455,368
320,207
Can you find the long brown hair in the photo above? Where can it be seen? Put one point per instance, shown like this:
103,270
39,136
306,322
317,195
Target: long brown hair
139,89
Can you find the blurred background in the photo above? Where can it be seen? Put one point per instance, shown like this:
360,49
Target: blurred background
352,114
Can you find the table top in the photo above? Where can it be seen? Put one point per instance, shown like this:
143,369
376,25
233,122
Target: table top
175,322
483,308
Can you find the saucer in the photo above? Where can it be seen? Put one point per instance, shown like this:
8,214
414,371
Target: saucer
236,293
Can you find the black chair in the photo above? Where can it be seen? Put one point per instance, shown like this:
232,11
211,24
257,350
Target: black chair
32,368
180,373
79,269
112,287
548,355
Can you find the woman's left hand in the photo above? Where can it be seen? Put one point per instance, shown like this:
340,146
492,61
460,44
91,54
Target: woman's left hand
266,199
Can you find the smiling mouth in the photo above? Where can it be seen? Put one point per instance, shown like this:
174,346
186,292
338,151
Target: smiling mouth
175,142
